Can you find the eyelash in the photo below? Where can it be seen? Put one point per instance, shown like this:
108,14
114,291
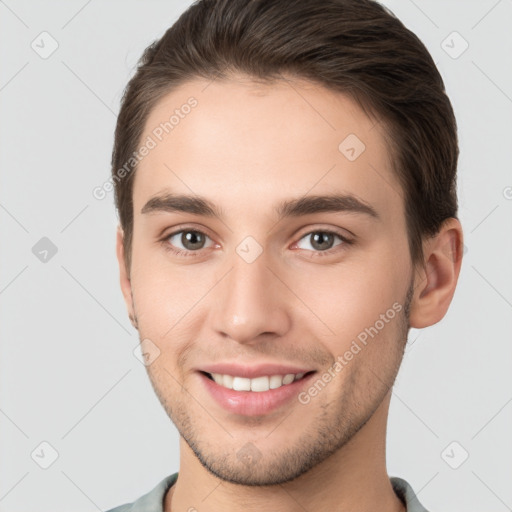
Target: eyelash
185,253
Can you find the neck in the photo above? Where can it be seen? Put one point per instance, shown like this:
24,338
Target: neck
353,478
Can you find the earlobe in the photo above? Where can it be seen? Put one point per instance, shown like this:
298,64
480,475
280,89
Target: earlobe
124,277
435,284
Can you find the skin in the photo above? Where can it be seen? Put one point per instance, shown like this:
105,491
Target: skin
246,147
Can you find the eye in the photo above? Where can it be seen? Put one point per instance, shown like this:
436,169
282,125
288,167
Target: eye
322,241
191,241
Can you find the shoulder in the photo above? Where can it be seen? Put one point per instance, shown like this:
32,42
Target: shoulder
151,501
406,493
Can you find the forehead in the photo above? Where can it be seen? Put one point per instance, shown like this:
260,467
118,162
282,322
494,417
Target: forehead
237,141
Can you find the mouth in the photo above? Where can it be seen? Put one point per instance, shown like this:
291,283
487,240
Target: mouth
256,384
255,396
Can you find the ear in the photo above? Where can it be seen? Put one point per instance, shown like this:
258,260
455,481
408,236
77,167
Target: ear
435,284
124,277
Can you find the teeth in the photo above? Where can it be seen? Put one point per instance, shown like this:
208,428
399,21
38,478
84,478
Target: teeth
217,377
257,384
288,379
227,381
241,384
276,381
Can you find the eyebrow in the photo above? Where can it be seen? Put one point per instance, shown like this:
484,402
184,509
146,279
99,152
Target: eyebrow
296,207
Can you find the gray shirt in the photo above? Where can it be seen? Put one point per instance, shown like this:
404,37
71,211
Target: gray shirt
153,501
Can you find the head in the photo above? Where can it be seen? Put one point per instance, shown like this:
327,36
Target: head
282,121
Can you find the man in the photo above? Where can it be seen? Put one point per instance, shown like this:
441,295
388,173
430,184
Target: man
285,177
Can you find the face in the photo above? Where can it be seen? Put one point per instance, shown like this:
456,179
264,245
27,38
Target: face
233,283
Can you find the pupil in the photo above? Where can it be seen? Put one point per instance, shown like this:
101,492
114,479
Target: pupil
319,240
191,238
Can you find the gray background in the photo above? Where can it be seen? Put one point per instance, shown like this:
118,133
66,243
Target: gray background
68,374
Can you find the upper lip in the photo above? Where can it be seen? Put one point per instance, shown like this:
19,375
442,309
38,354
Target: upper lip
253,371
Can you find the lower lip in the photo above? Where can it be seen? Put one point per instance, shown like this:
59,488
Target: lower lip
254,403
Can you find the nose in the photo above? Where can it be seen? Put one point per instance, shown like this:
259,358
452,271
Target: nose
250,303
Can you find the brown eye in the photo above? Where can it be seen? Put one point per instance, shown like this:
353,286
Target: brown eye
322,240
190,240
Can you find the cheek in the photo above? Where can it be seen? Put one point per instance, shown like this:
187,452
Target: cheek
351,295
360,308
156,293
170,299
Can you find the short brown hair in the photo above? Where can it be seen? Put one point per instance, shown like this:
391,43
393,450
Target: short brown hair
356,47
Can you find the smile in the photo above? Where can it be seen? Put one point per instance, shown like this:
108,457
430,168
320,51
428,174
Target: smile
257,384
